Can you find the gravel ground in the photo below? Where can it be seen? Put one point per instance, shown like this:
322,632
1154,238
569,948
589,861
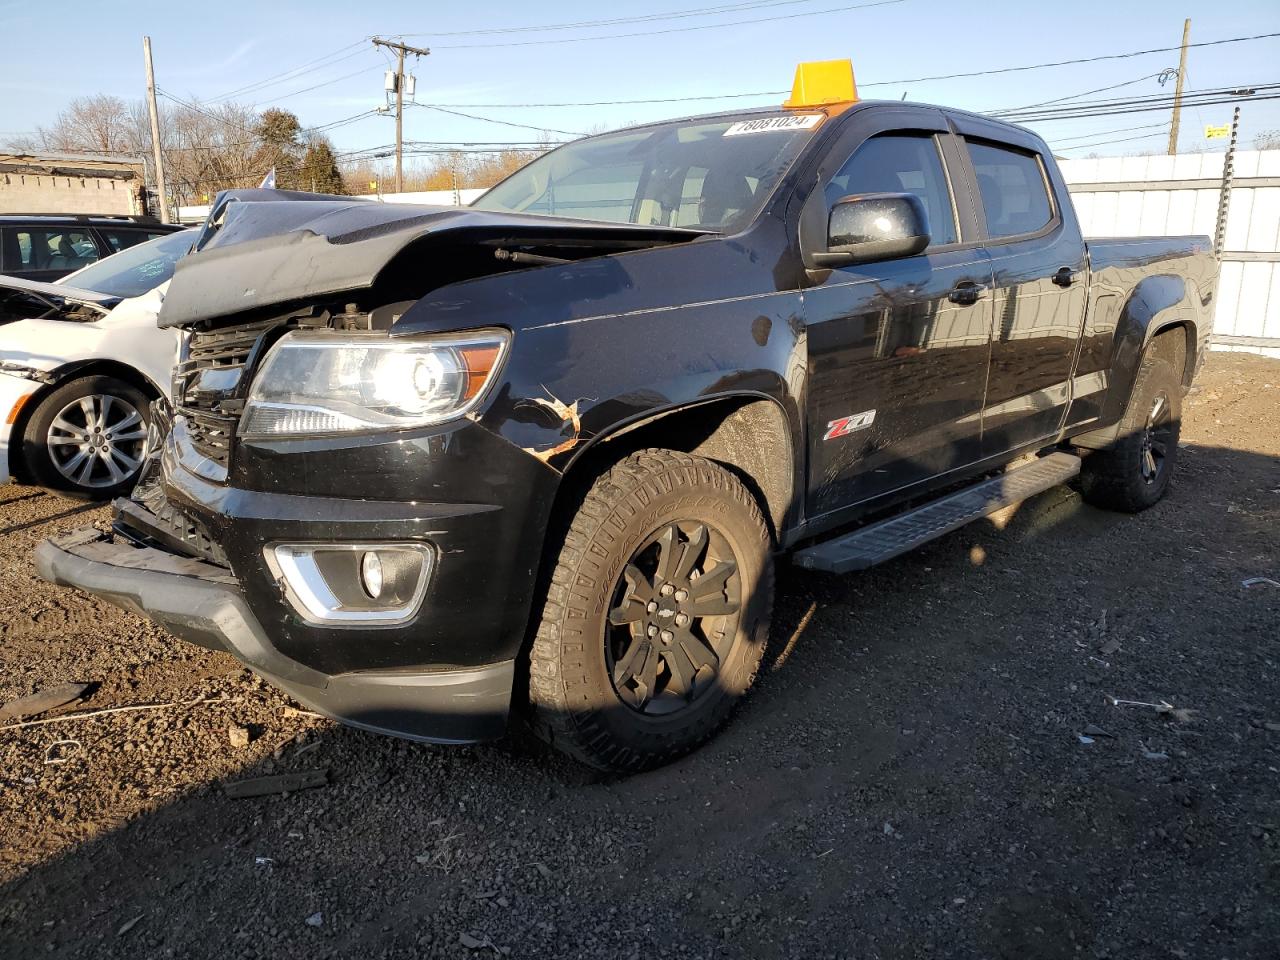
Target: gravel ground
909,779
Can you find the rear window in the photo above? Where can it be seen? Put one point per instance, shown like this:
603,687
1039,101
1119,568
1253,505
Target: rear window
124,239
1015,197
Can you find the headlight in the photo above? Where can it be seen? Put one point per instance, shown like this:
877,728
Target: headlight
314,383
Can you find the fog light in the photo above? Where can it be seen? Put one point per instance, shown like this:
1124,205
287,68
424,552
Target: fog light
371,574
353,584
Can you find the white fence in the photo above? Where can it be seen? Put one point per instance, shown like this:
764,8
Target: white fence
1151,196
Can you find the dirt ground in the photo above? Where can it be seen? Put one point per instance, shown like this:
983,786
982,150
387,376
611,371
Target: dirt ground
911,778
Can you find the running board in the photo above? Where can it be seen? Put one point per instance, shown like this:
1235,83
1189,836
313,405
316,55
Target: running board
890,538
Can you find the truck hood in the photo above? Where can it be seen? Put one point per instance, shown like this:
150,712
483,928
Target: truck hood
257,253
56,295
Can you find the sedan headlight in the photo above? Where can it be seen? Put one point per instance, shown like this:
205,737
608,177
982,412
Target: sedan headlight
316,383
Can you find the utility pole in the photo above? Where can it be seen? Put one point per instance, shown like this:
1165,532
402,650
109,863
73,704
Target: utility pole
401,49
155,131
1177,92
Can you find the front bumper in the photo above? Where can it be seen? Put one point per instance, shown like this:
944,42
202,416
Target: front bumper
203,604
13,391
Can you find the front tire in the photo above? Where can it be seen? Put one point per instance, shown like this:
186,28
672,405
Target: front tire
1134,472
657,613
88,438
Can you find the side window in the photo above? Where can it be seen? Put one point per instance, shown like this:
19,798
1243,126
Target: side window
1015,196
901,163
52,249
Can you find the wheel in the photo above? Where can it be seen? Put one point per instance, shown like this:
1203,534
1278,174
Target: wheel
1134,472
88,437
656,616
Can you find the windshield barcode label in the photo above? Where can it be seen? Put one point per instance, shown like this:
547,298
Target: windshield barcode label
787,121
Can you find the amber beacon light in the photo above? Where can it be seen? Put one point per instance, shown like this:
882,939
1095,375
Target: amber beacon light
822,82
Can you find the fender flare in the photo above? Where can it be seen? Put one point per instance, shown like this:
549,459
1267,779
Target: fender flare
1156,304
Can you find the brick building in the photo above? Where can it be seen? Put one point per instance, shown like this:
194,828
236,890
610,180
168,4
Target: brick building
71,183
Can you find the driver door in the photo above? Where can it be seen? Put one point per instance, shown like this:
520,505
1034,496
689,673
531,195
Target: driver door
897,350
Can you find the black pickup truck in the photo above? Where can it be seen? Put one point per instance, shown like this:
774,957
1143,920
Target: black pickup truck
426,466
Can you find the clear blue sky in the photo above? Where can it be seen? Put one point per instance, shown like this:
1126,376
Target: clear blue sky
58,51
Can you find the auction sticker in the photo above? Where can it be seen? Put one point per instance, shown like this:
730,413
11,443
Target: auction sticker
786,121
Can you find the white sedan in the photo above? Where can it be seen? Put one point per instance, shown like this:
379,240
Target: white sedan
80,362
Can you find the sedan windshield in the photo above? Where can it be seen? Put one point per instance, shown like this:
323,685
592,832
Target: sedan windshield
135,270
703,174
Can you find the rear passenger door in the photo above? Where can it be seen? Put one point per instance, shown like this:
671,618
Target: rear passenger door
1039,266
897,349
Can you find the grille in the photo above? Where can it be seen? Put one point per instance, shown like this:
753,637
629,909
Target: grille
209,385
150,516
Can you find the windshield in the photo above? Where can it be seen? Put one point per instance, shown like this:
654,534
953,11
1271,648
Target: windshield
703,174
134,271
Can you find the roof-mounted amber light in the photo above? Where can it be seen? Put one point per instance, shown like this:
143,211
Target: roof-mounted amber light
823,82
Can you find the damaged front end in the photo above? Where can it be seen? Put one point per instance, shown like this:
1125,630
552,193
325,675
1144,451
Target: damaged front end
331,497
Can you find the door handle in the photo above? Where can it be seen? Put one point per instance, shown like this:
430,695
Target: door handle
966,293
1064,277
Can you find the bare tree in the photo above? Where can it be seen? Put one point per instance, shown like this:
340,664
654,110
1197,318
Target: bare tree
99,124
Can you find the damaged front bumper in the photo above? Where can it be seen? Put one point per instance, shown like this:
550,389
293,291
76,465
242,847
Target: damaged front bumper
203,604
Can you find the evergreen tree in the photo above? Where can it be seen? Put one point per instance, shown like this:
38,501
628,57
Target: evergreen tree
281,147
319,170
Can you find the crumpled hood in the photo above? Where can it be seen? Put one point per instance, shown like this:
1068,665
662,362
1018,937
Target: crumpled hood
279,251
57,293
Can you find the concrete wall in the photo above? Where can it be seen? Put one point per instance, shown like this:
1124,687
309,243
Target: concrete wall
44,193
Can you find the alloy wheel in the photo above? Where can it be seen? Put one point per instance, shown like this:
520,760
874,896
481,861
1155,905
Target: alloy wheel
97,441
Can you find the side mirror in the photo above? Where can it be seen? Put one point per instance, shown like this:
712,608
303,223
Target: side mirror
874,226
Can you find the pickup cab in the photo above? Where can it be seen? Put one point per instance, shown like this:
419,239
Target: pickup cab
428,467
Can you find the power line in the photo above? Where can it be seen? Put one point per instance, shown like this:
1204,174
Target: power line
297,71
1104,143
1107,133
1097,59
1085,93
318,128
618,21
669,30
504,123
879,83
619,103
326,83
1101,108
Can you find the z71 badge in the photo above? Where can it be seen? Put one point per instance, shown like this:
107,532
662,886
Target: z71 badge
847,425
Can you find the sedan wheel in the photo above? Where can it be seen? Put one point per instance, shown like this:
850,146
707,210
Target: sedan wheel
97,441
88,438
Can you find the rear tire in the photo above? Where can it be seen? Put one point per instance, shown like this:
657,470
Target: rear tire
1134,472
657,614
87,438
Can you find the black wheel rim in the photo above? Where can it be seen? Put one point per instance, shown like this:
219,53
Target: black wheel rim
673,618
1157,440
